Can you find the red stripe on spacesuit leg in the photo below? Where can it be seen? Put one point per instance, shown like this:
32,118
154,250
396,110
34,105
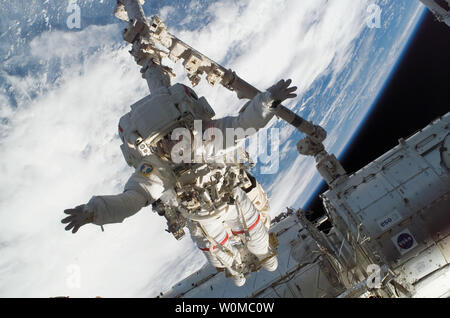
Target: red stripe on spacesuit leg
186,90
215,247
250,228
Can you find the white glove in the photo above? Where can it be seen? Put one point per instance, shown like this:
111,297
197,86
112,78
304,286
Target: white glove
78,217
281,91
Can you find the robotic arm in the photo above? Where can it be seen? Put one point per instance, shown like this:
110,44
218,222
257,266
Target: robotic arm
148,37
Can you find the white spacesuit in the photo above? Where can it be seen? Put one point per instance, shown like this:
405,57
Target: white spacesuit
217,200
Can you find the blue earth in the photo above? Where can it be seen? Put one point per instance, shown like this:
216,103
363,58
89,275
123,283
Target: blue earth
66,79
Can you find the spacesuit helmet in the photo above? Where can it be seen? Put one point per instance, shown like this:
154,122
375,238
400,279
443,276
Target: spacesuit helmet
156,116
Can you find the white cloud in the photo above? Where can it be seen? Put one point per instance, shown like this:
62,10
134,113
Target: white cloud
60,149
165,12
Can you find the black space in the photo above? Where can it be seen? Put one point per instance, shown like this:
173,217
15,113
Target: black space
417,93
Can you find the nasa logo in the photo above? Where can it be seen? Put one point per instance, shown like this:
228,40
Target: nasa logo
146,170
405,241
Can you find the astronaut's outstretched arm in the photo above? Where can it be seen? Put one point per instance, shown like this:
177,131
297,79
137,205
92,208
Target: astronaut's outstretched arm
139,192
258,112
115,208
102,210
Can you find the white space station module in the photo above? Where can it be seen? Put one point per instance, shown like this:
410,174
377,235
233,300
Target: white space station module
390,221
390,234
440,9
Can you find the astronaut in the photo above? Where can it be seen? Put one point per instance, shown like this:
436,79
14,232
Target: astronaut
216,198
